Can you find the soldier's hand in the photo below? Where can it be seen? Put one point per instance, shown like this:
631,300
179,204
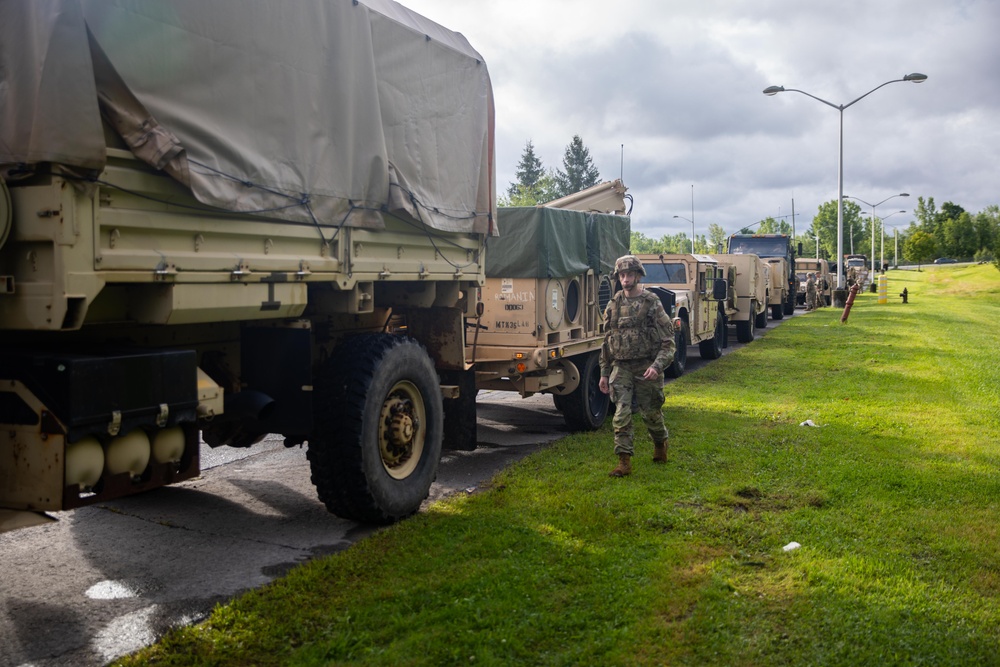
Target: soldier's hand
603,385
651,374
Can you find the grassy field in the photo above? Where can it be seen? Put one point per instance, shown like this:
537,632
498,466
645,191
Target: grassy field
894,498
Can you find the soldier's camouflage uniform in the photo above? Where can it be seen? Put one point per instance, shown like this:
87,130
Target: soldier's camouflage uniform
638,335
811,292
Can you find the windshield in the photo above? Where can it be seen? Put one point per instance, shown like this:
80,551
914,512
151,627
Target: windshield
661,273
857,262
760,246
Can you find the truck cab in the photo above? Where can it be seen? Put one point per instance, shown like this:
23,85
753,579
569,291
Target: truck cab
777,251
696,288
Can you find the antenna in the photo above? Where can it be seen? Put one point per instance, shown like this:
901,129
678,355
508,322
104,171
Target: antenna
621,172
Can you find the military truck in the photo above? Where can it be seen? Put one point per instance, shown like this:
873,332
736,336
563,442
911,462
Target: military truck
549,276
694,292
749,279
185,255
824,286
777,251
856,269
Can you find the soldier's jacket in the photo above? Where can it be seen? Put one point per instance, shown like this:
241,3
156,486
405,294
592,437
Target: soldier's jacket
637,328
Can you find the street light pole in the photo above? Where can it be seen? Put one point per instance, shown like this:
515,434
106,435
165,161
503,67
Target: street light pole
681,217
915,77
881,226
901,194
692,218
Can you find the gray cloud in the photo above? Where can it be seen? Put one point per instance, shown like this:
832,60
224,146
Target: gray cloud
679,86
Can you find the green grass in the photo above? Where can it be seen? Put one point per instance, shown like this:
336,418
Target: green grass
895,499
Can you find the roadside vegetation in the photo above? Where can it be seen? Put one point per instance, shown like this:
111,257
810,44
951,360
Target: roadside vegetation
893,497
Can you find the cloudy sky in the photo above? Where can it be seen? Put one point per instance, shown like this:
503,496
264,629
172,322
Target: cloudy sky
667,94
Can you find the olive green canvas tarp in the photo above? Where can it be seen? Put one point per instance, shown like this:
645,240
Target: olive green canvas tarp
315,111
539,242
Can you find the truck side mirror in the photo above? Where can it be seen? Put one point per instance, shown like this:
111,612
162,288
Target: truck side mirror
720,289
800,249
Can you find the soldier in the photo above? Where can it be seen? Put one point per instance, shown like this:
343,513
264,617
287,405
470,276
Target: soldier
638,346
811,292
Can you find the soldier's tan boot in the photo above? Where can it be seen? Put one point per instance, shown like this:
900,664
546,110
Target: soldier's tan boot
660,451
624,466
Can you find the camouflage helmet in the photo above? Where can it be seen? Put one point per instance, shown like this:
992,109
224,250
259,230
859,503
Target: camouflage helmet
629,263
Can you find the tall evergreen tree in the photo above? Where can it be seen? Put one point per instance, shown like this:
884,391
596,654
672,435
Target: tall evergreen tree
578,172
529,171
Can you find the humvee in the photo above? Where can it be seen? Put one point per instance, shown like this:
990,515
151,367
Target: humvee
694,292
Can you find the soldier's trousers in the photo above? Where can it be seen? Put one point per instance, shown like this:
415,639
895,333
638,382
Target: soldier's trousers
626,381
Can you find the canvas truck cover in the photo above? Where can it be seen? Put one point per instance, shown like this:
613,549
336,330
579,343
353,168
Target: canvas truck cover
314,111
539,242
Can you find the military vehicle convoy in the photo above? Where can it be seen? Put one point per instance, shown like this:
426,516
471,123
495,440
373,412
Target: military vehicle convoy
777,251
695,293
749,282
185,255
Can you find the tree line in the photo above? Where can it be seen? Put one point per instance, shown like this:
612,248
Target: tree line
950,231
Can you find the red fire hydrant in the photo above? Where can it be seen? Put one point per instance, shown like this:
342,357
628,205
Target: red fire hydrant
850,302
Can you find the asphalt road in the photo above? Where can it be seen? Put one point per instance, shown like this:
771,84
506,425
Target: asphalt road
106,580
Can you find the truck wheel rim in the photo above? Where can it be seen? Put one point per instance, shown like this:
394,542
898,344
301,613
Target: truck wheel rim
401,436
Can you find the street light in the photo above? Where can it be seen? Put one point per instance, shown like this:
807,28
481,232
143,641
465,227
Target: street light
692,229
881,226
773,90
895,238
901,194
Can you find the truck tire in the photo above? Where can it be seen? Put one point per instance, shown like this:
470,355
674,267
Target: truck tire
586,407
790,304
745,329
460,432
778,311
760,319
378,429
712,348
681,337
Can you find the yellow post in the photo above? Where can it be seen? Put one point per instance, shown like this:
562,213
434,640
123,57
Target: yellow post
883,287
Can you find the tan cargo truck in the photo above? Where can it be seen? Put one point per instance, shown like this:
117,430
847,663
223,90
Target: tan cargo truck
185,254
781,291
549,276
695,292
777,251
749,280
